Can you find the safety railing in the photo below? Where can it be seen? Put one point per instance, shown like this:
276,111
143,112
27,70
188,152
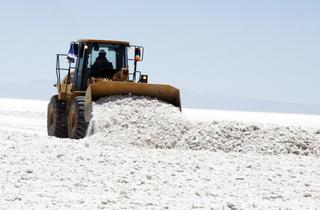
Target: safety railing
59,69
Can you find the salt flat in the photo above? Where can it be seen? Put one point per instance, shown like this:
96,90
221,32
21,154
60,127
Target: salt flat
163,162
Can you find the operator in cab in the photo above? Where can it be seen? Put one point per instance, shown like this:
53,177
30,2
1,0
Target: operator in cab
102,67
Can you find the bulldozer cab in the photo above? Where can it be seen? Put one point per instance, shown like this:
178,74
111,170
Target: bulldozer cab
86,56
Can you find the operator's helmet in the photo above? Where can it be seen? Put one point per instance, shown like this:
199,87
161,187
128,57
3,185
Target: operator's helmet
102,53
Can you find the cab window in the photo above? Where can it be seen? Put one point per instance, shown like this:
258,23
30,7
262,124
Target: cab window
113,52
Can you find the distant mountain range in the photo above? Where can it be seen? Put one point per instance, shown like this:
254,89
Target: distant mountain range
211,100
38,89
43,89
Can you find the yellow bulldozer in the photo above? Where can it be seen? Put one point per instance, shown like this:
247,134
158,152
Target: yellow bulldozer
95,69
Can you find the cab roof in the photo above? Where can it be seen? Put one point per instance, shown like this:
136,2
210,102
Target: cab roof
103,41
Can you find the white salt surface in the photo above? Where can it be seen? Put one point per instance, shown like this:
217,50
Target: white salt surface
34,106
118,166
284,119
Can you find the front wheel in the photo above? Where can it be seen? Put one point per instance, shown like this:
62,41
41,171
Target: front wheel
77,126
56,118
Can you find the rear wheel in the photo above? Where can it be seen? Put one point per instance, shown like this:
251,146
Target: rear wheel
56,118
77,126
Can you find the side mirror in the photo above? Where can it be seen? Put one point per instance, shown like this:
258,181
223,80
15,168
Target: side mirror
137,54
73,52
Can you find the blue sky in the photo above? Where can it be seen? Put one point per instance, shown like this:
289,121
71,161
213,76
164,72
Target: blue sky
267,49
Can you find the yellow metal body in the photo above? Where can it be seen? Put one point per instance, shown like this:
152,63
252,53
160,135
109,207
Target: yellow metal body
104,41
99,88
119,85
165,93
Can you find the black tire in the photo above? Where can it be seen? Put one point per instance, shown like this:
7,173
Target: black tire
56,118
77,126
